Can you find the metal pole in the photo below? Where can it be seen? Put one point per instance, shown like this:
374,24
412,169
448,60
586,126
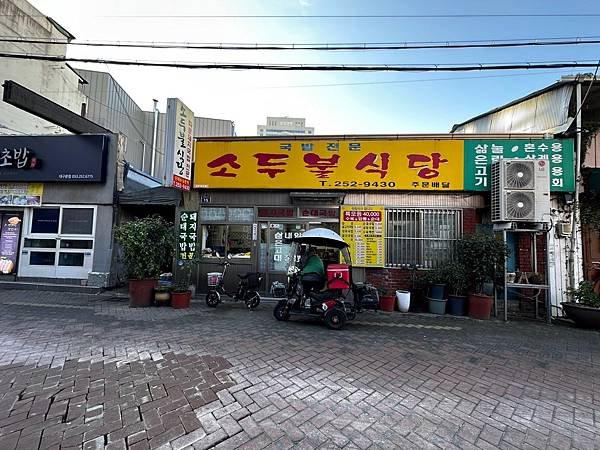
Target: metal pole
505,283
575,215
154,134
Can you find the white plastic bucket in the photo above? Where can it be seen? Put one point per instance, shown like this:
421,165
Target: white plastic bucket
403,300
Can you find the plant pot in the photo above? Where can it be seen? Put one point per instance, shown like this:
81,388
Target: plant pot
161,298
583,316
180,300
141,293
386,303
436,291
457,305
417,300
436,305
480,306
403,300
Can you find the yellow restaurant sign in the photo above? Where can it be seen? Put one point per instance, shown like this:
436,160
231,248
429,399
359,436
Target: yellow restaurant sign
330,164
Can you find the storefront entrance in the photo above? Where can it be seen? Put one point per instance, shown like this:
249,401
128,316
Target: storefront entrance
59,242
275,246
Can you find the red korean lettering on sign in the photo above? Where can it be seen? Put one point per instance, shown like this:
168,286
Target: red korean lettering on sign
270,163
377,163
321,166
427,165
222,161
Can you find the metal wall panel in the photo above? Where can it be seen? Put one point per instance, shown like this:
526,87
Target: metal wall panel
405,199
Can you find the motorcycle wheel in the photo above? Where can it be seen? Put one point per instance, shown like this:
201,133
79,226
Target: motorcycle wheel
212,299
281,312
252,299
335,319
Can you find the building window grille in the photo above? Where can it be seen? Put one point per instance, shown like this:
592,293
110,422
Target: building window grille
421,237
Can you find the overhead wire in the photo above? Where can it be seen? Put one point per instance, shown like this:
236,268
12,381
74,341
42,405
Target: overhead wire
313,67
507,43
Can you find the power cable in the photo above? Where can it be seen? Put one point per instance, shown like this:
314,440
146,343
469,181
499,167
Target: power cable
313,67
317,47
343,16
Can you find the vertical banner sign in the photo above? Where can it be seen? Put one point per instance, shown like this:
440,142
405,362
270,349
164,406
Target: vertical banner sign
188,226
362,227
10,234
178,145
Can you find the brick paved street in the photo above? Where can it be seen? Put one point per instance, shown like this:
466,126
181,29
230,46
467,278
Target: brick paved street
80,371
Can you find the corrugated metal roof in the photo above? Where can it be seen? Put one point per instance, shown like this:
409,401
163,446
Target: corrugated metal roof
552,87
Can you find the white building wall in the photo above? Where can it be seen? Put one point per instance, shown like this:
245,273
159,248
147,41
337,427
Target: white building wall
285,126
55,81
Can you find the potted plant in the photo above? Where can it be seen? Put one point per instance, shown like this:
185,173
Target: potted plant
457,283
483,257
435,279
147,245
584,306
181,294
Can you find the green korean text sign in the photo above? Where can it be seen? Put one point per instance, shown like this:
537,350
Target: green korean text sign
479,155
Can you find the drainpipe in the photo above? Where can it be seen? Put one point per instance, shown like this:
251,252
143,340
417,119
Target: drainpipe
154,135
575,215
143,156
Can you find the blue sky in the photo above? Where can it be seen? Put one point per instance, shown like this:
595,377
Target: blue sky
333,102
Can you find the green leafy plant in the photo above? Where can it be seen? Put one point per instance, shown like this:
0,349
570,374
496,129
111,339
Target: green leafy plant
584,295
483,256
147,244
183,275
456,277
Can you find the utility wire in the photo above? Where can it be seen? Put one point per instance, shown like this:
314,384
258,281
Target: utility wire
316,47
341,16
313,67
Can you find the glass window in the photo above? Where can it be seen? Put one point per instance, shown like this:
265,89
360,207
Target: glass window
41,258
45,220
423,238
212,214
77,220
214,239
40,243
70,259
241,214
78,244
240,241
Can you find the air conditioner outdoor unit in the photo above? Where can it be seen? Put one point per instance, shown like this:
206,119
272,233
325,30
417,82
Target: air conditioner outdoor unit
521,190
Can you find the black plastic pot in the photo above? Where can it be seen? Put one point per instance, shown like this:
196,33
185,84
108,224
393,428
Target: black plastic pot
583,316
436,291
457,305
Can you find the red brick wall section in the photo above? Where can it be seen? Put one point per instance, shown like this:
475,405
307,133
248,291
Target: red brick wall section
470,220
389,279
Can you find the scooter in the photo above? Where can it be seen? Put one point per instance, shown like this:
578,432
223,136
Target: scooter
332,305
247,289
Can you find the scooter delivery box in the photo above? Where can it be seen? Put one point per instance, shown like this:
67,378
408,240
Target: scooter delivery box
338,276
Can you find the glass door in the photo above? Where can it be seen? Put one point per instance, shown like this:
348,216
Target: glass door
274,249
59,243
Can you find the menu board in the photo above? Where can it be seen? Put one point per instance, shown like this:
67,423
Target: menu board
362,227
10,233
188,226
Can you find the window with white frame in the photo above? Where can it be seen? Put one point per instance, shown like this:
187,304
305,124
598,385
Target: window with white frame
421,237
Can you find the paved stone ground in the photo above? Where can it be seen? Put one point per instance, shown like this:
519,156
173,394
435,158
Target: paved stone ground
81,371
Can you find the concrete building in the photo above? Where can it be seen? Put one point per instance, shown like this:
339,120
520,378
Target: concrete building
108,105
285,126
54,80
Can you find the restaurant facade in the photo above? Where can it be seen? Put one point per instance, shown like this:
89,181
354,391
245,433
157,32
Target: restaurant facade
399,201
56,207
